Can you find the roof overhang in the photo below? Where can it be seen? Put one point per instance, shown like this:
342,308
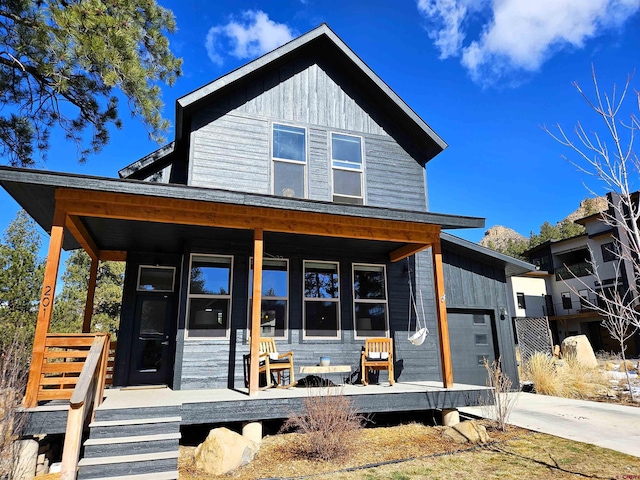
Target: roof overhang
512,266
107,215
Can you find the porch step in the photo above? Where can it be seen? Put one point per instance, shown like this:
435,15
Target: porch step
126,466
134,427
134,443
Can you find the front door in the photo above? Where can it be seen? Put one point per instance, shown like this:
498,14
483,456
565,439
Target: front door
153,327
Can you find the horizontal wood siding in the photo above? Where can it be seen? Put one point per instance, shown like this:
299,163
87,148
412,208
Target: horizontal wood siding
474,285
230,140
218,363
393,177
231,153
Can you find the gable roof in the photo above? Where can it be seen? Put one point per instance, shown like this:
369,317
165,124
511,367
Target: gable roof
319,40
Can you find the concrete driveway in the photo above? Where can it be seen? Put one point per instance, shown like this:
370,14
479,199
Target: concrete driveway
606,425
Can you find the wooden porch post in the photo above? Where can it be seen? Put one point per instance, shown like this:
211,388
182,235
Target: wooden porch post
441,309
91,291
256,308
45,309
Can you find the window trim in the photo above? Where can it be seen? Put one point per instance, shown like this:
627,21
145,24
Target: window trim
338,334
361,169
367,300
305,164
286,299
187,330
157,267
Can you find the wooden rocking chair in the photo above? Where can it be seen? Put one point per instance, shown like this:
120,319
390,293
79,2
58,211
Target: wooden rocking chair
377,355
273,362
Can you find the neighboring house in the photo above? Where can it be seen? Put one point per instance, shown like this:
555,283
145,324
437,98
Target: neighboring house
563,285
303,158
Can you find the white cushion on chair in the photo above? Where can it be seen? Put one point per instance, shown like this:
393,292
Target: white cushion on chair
273,356
384,355
374,355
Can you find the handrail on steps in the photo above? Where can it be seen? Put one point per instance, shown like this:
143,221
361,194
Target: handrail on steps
87,395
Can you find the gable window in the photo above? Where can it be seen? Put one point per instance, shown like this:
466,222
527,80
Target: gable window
289,149
321,300
346,162
275,296
370,300
609,252
521,300
209,297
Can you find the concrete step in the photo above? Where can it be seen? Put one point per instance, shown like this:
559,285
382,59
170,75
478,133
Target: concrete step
128,465
134,427
138,444
108,414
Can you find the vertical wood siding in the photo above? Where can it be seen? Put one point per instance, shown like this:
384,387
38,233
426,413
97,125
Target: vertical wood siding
230,140
474,285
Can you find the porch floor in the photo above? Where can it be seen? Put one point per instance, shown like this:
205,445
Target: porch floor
235,405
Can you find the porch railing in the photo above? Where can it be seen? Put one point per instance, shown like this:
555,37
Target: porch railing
64,357
86,396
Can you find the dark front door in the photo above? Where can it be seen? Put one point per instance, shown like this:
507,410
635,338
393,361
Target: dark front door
154,323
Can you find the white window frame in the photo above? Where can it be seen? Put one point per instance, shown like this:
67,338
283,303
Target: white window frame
286,299
369,300
156,267
275,159
199,295
313,299
361,169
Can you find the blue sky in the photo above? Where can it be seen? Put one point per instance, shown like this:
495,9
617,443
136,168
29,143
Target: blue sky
484,74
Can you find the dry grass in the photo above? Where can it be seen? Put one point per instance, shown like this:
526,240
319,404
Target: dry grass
568,378
609,366
626,366
419,452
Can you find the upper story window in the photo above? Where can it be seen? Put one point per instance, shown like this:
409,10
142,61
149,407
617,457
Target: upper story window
370,300
521,301
609,252
321,300
346,162
289,149
275,297
209,296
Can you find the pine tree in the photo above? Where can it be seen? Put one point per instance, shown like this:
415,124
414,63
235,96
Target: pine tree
21,276
61,62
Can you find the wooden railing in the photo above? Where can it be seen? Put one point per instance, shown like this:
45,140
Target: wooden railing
87,395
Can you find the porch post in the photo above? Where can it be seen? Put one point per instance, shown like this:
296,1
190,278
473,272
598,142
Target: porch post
45,309
256,308
441,310
91,291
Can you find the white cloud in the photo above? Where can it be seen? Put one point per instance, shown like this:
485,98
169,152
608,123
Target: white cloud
252,36
518,35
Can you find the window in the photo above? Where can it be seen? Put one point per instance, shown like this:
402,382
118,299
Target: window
479,319
289,161
521,302
321,300
609,251
346,160
566,301
370,300
482,339
209,298
275,293
155,279
584,298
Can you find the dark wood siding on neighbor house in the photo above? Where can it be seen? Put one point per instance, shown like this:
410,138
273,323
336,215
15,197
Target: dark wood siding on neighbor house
474,286
230,140
204,363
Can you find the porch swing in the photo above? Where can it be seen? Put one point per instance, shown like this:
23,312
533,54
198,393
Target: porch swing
421,331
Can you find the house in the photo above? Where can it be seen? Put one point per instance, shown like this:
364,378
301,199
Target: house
564,287
291,204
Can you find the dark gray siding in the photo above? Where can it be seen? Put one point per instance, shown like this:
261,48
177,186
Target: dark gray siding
471,285
203,363
230,140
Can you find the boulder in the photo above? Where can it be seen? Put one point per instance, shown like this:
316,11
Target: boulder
578,346
466,432
223,451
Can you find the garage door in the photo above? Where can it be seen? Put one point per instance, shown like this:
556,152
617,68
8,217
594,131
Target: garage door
471,337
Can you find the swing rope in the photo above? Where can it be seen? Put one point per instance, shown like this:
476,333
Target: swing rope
421,332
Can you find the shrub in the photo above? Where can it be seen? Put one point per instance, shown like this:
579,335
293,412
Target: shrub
500,402
329,422
582,381
541,370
